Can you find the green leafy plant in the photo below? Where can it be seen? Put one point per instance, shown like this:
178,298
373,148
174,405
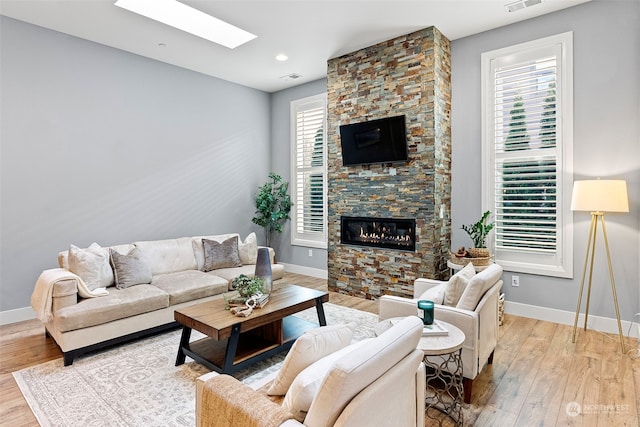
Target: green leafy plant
273,205
247,286
480,230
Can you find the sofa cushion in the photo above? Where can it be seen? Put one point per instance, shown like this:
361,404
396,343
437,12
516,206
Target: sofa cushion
354,371
168,256
120,303
130,269
221,254
457,283
198,247
91,265
248,249
313,345
306,384
478,286
189,285
231,273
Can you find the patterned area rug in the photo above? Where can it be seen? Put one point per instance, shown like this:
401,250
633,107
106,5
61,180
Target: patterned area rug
138,384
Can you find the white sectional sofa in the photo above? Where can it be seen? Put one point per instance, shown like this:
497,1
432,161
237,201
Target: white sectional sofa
104,296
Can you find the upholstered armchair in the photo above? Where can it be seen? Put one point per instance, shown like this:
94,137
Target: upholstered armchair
378,381
476,314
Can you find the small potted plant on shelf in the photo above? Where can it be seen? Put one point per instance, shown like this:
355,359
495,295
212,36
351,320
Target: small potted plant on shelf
478,233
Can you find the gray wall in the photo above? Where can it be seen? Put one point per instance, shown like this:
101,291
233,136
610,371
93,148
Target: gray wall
606,143
281,164
102,145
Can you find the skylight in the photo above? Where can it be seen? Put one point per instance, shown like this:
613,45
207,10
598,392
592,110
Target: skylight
186,18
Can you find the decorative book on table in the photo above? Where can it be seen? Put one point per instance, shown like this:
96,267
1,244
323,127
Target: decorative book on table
241,301
434,330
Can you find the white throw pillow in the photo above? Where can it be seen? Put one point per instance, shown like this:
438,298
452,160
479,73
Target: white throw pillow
457,283
313,345
91,265
248,249
306,385
478,286
435,294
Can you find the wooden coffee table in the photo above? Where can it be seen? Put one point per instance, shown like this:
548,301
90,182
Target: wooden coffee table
233,343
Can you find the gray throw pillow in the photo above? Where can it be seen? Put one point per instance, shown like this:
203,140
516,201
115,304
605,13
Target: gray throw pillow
221,255
130,269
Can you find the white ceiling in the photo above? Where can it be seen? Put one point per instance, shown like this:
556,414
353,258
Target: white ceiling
309,31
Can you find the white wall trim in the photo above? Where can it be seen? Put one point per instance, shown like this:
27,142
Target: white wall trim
602,324
17,315
318,273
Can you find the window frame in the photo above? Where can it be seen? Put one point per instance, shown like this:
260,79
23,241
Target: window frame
312,240
559,264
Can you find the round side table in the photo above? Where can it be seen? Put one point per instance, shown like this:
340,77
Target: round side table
443,359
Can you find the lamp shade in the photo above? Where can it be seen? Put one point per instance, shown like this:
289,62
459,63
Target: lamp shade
600,195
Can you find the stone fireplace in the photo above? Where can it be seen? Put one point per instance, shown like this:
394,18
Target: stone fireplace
409,75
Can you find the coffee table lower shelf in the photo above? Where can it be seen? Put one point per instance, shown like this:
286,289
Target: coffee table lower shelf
250,347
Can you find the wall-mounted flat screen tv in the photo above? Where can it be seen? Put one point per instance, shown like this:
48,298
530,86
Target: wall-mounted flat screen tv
375,141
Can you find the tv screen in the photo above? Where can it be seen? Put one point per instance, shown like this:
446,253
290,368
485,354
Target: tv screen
375,141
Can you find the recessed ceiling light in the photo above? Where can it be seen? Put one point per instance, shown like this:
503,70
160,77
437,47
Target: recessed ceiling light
289,77
188,19
282,57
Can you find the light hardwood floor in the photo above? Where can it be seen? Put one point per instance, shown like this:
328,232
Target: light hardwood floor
536,373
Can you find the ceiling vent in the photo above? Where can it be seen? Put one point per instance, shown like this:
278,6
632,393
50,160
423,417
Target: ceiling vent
289,77
521,4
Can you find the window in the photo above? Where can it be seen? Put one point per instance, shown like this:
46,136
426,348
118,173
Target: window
527,151
309,171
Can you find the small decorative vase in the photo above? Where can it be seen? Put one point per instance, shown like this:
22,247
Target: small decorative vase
263,269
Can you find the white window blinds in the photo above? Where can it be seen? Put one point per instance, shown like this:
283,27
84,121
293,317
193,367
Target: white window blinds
309,170
527,146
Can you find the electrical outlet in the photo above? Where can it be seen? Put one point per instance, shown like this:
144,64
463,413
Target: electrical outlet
310,252
515,280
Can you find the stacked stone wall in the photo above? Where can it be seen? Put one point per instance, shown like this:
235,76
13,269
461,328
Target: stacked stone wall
409,75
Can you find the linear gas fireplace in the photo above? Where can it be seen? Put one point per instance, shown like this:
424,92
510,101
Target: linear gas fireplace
389,233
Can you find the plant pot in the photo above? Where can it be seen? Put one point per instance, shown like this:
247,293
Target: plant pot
479,252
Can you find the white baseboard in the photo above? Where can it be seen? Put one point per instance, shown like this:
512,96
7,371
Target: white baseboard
17,315
598,323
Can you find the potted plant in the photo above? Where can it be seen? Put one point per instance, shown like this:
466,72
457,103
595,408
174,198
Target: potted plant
273,205
247,286
478,233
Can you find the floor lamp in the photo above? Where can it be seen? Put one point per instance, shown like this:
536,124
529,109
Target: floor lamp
598,197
